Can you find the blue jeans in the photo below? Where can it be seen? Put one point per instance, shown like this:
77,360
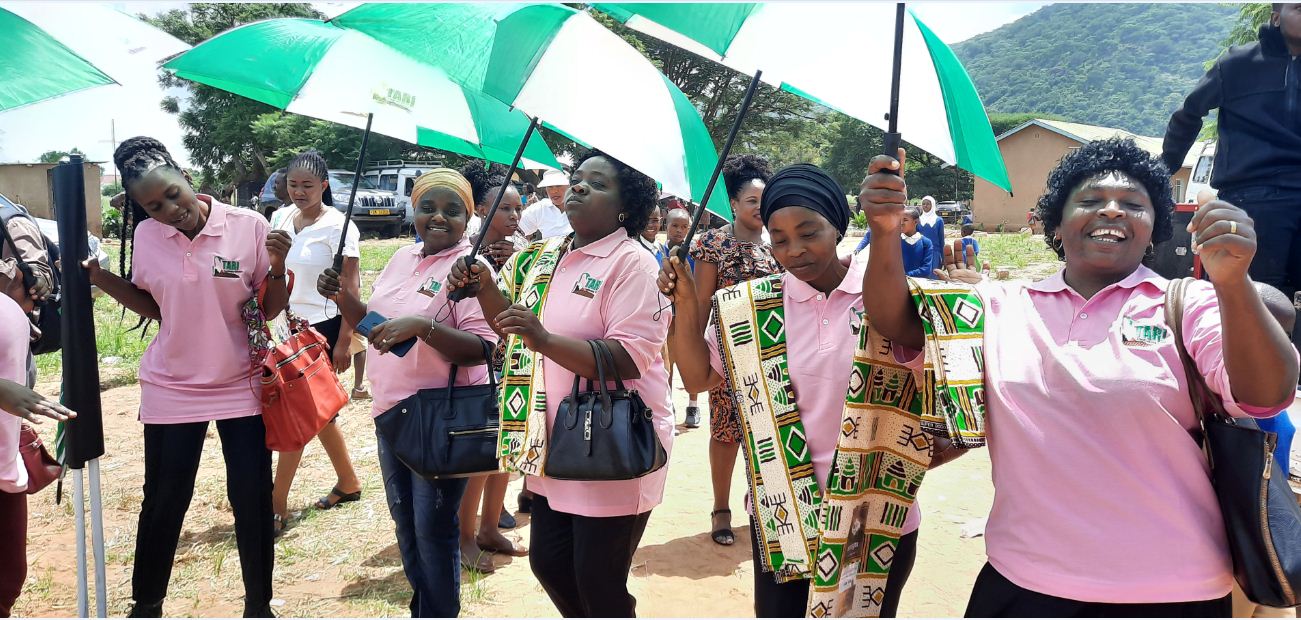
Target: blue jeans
428,532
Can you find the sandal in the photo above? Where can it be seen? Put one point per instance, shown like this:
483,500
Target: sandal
278,524
512,550
723,535
325,504
361,393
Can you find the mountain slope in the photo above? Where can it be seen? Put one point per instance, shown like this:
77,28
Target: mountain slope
1118,65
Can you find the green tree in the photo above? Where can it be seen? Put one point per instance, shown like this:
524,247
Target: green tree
53,157
217,123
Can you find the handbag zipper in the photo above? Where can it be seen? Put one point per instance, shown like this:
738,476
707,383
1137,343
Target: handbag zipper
1264,520
476,431
293,357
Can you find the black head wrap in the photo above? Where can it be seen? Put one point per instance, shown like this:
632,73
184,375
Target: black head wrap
806,185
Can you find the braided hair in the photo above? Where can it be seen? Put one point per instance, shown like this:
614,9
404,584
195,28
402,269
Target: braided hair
312,162
638,191
135,158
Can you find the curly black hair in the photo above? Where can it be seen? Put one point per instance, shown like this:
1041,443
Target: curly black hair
1100,157
741,169
639,193
483,179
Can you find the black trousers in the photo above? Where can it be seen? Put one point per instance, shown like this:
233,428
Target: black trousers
791,599
172,454
994,596
1276,212
583,562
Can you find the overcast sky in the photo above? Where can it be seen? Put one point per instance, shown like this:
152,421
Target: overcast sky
24,136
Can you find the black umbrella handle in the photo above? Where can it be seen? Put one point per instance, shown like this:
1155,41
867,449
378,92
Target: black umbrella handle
892,137
683,248
462,293
352,198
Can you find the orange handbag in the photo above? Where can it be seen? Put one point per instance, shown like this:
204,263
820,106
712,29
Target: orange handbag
300,392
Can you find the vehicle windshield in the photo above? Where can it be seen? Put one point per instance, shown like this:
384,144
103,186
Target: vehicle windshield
343,181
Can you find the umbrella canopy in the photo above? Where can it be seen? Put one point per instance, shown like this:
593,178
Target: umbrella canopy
806,47
35,66
320,70
560,65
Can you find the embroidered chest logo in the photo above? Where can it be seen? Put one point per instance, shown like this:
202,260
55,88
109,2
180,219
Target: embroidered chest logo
1142,333
431,287
587,286
224,268
856,321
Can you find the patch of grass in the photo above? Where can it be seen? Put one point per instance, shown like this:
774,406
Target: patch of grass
1015,250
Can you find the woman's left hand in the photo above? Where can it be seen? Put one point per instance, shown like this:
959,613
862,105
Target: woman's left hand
521,321
393,332
342,359
278,243
1225,238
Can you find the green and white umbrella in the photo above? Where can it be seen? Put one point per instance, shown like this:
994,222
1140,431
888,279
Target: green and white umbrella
321,70
838,54
563,67
35,66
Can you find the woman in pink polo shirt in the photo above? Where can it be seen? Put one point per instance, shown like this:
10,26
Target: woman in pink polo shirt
194,264
601,285
1103,505
410,293
806,213
17,403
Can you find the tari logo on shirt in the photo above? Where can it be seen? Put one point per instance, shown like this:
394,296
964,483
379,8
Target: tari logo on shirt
431,287
223,268
587,286
1142,333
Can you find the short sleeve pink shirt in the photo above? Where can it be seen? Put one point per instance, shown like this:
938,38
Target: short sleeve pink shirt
197,368
821,336
14,343
414,285
607,290
1101,494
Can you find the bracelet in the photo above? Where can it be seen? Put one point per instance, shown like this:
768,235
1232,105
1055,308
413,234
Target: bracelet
432,324
274,276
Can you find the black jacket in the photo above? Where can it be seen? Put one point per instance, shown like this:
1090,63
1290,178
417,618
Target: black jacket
1257,89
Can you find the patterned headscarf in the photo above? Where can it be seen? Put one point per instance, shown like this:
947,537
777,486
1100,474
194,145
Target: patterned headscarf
443,177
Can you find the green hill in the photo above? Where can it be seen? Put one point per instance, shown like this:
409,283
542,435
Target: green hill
1117,65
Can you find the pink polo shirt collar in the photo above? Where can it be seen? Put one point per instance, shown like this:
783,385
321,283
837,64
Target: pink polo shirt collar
601,248
1056,283
799,290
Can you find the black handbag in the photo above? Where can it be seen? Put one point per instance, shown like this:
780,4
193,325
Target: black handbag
603,434
1260,511
446,432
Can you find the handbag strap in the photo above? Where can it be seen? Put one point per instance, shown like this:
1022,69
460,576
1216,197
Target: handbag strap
608,355
487,357
1205,403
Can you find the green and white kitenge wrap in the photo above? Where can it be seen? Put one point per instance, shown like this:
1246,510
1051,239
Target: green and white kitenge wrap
525,279
844,537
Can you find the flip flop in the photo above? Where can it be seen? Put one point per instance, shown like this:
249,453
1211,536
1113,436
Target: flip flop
513,551
325,504
723,535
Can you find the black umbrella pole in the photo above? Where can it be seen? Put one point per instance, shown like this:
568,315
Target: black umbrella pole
892,137
85,433
460,293
352,197
681,252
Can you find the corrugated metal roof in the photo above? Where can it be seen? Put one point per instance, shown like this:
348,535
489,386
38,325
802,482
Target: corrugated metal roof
1089,133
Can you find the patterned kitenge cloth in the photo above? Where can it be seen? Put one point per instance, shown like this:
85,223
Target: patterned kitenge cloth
844,537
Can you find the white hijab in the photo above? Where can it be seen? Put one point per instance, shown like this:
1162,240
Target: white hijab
928,218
